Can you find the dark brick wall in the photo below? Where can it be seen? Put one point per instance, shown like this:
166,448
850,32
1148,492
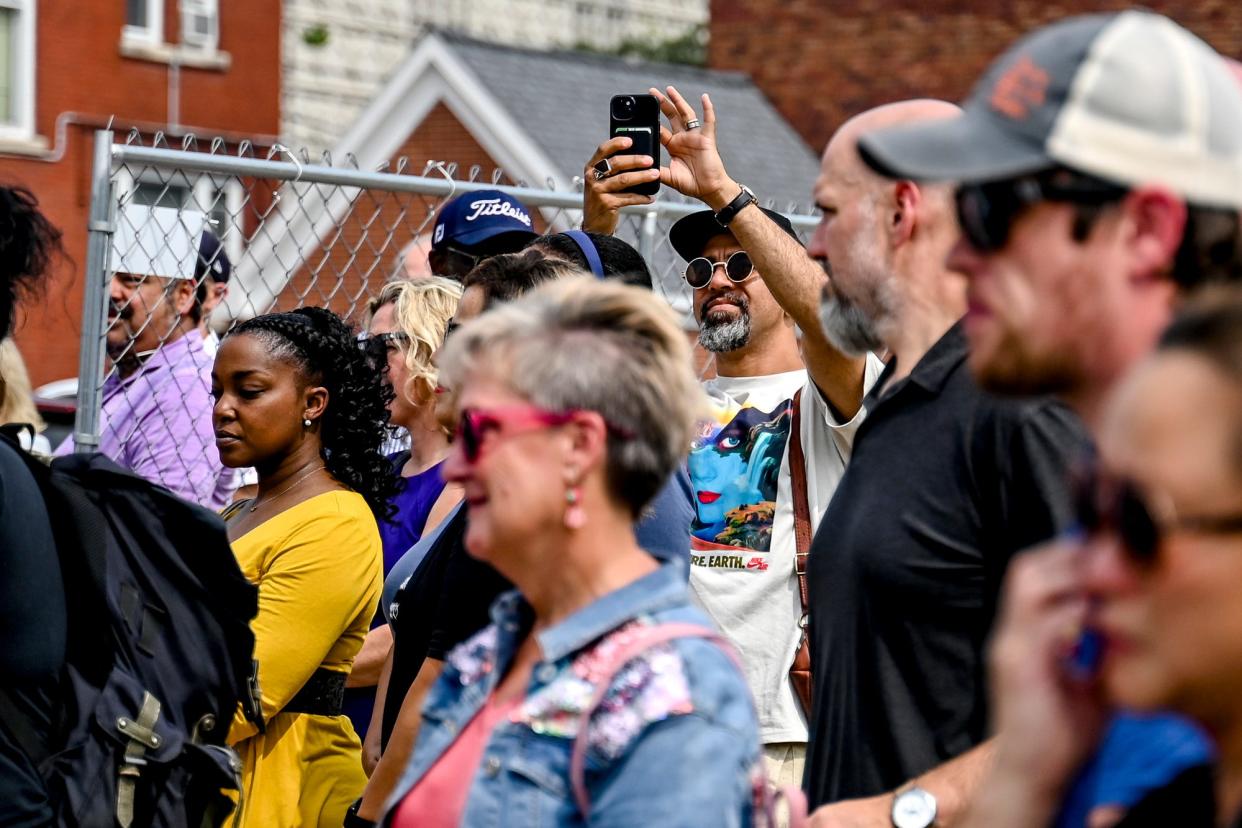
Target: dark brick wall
821,61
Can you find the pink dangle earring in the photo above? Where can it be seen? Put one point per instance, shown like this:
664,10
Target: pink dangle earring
575,515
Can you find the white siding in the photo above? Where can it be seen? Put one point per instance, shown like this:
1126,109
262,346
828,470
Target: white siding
326,87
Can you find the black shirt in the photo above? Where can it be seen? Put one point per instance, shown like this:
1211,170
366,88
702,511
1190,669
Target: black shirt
445,601
944,485
33,627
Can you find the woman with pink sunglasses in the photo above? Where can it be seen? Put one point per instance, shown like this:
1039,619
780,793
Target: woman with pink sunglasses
575,403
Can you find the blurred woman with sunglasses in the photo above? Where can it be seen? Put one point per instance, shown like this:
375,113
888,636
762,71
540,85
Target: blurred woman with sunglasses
297,400
408,319
575,403
1143,612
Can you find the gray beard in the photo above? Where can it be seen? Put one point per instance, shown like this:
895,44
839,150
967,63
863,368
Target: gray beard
849,329
727,335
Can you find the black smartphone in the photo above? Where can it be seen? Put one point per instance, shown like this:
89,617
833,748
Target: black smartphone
637,117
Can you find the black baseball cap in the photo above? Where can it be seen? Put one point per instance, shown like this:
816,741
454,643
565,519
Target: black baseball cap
1129,97
690,234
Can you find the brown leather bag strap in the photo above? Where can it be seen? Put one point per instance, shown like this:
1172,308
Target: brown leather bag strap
801,508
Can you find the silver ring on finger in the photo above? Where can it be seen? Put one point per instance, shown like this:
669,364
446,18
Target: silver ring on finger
602,169
693,123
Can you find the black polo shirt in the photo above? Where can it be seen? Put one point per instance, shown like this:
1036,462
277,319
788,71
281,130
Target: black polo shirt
945,484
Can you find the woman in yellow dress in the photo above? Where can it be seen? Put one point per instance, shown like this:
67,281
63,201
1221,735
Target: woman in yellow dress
297,399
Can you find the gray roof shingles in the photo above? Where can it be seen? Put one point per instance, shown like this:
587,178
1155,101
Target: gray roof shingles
561,99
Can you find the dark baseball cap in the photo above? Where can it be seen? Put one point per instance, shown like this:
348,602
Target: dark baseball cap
1130,97
692,233
471,219
212,260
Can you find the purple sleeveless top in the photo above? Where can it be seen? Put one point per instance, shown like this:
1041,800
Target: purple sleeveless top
418,494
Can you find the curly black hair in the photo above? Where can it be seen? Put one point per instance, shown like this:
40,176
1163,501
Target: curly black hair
28,244
320,345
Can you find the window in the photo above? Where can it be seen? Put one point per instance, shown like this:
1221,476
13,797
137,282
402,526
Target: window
144,20
17,68
200,24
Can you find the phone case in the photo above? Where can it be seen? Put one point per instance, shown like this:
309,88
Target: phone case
638,118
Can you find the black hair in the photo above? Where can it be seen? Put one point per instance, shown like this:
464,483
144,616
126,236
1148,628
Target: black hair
1211,248
28,244
621,261
510,275
320,345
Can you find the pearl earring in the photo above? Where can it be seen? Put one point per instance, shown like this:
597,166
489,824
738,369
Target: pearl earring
306,422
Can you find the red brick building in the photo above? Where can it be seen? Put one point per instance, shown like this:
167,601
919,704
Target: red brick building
202,66
821,61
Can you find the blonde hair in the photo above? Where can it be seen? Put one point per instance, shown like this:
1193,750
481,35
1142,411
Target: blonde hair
16,398
422,309
581,343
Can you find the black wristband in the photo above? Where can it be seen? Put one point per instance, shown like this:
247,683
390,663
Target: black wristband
352,820
730,211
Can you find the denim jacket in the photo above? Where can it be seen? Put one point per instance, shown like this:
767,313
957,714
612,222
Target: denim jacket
674,743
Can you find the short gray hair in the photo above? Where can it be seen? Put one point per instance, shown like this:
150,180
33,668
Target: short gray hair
580,343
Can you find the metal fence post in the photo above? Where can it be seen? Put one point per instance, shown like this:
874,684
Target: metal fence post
647,238
86,426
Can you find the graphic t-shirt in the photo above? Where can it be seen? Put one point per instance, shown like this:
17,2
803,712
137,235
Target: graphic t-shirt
742,538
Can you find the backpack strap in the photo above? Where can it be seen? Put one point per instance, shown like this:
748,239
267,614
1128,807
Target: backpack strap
142,737
765,798
801,506
649,637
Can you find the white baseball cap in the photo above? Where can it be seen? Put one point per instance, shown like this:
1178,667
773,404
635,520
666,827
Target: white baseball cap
156,241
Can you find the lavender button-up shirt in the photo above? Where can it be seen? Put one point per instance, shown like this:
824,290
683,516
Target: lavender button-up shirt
157,423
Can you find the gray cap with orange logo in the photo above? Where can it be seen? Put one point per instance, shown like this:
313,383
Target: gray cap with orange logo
1132,98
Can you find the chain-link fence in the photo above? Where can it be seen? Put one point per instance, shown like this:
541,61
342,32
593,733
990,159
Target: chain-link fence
293,234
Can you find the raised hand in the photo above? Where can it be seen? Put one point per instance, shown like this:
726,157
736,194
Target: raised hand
603,194
694,164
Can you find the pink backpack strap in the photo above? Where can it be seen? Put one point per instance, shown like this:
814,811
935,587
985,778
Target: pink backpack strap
646,638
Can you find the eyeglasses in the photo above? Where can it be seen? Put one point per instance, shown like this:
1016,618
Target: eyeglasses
451,262
986,211
475,424
1105,503
738,268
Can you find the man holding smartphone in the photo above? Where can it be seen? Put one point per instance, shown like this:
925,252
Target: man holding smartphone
766,463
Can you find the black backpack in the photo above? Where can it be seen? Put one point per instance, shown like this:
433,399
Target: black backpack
159,652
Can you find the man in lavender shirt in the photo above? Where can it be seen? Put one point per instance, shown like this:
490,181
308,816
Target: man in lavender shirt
156,418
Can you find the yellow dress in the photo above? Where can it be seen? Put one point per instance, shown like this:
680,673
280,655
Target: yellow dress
319,569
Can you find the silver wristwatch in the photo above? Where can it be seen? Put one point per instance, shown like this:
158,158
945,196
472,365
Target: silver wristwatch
914,807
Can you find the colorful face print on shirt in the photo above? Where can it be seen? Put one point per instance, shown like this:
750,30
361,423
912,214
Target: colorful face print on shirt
733,470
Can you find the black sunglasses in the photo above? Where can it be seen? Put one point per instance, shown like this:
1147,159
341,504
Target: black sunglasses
986,211
738,268
376,345
1104,503
451,262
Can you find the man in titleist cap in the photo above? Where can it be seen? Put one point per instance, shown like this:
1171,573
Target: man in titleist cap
475,226
1100,170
